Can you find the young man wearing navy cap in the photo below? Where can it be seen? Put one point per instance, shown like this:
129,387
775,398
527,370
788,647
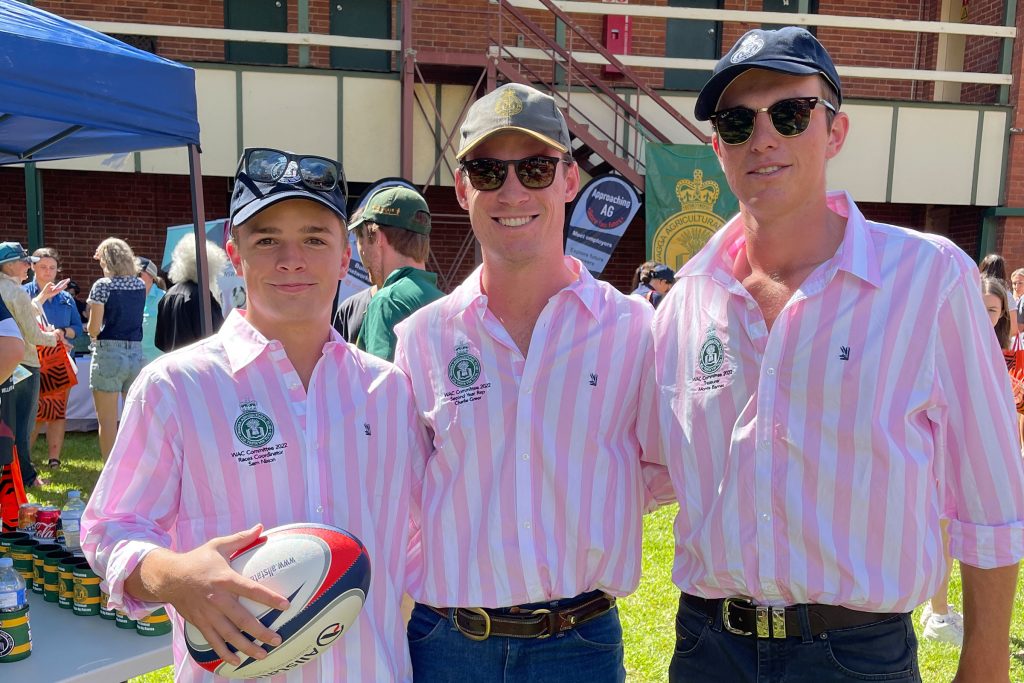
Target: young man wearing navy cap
814,435
272,420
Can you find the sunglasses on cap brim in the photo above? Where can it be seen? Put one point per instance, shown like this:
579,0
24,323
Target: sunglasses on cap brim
265,165
534,173
790,117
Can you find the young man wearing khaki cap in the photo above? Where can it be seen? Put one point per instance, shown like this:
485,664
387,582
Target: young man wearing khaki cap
528,526
393,238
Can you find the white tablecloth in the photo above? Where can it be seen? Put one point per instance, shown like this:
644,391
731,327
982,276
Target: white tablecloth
67,648
81,409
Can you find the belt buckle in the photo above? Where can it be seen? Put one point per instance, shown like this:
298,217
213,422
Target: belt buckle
726,604
487,623
550,624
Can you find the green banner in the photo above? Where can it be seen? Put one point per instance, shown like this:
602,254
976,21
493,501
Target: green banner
687,201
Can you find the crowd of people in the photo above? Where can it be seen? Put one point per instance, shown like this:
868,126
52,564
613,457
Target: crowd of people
832,442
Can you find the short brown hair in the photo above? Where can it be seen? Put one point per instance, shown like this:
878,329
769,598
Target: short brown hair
407,243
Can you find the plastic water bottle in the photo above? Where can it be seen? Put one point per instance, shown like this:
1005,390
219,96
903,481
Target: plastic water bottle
12,587
71,520
15,632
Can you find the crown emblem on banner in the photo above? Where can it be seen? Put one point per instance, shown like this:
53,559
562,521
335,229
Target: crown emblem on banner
697,194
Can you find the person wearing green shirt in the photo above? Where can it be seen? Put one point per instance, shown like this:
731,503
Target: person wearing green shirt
393,238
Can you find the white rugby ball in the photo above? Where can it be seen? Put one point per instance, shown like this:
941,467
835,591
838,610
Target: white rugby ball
323,571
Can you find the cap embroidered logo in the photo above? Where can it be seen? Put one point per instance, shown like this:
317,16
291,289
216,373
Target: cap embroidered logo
508,104
750,47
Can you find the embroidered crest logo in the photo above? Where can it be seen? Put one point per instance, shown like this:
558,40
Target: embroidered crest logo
712,353
253,428
508,104
750,46
291,174
464,368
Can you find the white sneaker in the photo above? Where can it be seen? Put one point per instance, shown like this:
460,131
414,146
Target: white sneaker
945,628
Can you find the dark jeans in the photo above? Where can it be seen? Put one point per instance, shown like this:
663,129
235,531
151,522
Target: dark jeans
706,653
590,653
25,400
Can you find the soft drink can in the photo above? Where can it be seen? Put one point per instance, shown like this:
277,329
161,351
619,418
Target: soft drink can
27,518
46,522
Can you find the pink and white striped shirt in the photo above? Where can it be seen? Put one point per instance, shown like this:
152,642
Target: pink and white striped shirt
343,453
537,484
805,458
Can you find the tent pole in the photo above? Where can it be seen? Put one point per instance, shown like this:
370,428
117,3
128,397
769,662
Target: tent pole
33,206
195,175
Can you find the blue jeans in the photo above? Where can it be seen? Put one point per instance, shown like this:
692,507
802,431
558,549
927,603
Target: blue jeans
25,400
590,653
706,653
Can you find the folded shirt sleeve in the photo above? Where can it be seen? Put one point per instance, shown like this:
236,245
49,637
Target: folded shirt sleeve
134,506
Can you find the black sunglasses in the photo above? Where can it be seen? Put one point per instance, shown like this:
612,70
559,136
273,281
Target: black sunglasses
535,173
790,117
265,165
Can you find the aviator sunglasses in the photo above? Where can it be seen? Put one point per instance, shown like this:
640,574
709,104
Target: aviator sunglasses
790,118
270,166
535,173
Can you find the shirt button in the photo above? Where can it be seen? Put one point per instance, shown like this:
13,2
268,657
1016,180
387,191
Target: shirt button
771,371
526,456
765,516
294,385
319,508
526,525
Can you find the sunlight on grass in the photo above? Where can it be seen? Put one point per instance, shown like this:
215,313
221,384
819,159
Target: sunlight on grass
648,616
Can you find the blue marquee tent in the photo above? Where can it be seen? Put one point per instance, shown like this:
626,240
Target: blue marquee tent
68,91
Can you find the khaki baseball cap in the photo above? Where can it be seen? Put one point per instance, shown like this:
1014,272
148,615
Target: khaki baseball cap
514,107
396,207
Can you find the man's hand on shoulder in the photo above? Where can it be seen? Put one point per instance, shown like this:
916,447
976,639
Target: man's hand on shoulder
204,589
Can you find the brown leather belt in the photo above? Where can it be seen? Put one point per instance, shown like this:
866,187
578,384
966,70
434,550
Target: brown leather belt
743,618
477,623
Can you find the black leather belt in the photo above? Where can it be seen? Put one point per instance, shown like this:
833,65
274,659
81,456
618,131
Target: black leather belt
743,618
477,623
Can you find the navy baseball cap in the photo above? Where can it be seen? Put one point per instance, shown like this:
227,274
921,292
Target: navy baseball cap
251,196
789,50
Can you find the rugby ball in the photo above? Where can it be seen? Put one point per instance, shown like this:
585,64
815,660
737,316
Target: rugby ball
324,573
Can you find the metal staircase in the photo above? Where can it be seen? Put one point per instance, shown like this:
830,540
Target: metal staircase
597,149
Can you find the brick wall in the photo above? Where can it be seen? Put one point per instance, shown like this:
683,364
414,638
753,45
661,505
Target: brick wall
91,206
983,54
468,26
81,209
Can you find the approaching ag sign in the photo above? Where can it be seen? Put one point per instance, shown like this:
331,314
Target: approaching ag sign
600,215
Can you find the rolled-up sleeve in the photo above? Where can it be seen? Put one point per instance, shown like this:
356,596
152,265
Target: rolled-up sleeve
653,466
978,456
26,314
135,503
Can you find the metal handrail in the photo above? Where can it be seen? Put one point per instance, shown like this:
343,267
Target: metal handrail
626,71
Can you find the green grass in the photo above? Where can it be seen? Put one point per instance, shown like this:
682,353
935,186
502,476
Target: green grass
648,616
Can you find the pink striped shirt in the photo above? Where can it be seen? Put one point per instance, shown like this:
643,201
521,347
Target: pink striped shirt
537,484
342,453
806,458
